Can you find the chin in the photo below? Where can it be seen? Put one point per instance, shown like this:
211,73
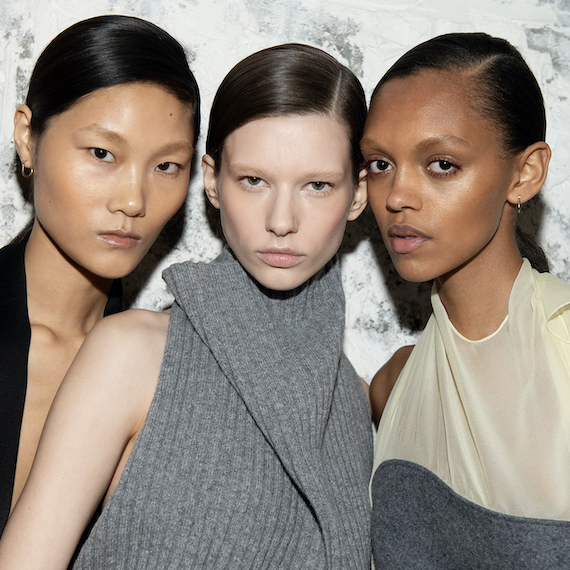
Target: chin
279,285
114,271
281,282
413,274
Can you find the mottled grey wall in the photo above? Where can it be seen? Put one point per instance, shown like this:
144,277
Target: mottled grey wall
367,35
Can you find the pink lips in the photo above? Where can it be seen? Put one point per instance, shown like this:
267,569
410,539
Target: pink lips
120,239
280,258
405,239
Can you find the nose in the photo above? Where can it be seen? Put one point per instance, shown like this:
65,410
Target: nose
404,192
282,214
129,197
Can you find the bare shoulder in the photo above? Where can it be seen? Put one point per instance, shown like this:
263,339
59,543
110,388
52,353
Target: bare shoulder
95,416
146,326
126,348
384,380
133,333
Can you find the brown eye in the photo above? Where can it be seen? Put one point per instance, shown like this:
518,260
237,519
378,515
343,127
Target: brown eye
102,154
377,166
442,167
168,167
318,186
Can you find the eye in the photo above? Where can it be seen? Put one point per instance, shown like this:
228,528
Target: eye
318,186
168,167
102,154
442,167
378,166
253,181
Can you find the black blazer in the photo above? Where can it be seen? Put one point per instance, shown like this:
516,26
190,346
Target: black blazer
15,336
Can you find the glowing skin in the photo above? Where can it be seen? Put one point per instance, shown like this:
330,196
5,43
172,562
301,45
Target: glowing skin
439,182
109,173
285,192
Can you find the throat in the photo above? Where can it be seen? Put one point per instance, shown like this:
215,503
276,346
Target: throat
477,306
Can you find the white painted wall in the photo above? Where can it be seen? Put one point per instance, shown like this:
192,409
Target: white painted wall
368,36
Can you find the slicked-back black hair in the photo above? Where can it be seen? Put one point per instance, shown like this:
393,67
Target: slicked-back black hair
102,52
504,89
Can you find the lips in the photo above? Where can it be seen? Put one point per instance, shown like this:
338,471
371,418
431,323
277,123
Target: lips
120,239
405,239
280,258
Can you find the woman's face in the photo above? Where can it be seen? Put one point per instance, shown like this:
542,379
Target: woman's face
110,172
437,176
285,191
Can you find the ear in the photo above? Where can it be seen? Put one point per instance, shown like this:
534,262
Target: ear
23,135
530,173
210,180
360,198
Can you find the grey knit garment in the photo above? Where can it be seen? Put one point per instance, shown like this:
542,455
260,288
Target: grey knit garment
257,449
419,522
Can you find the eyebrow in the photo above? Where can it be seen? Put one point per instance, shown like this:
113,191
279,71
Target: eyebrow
316,176
370,144
104,132
183,146
176,146
438,139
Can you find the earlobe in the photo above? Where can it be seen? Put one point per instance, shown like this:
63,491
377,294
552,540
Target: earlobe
23,135
532,169
360,198
210,180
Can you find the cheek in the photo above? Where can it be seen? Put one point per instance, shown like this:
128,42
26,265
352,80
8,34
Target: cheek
328,227
378,207
481,210
168,206
59,204
164,202
238,221
376,197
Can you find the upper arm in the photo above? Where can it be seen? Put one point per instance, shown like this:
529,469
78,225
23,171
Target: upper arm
101,403
384,380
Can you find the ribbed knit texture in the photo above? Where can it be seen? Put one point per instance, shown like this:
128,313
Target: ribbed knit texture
256,452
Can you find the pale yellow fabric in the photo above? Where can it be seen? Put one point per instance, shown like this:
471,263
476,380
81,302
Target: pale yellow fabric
492,417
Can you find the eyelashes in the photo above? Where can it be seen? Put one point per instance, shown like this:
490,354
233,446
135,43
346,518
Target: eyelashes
443,167
167,167
316,187
437,167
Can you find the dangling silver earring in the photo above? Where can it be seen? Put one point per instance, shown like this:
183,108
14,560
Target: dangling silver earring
27,172
519,206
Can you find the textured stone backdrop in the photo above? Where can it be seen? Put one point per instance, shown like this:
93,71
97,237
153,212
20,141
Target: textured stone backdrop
366,35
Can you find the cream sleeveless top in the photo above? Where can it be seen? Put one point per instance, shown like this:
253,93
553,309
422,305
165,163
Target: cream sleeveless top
491,417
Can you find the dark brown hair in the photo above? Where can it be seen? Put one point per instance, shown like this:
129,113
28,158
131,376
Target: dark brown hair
289,79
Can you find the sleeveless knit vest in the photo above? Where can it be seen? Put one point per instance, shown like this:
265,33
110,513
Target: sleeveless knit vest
256,451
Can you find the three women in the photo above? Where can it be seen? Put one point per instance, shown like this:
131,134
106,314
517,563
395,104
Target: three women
451,155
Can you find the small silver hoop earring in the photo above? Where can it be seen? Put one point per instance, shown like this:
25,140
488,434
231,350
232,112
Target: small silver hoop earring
27,172
519,206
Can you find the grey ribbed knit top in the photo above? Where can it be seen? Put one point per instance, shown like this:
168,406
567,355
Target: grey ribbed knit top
256,451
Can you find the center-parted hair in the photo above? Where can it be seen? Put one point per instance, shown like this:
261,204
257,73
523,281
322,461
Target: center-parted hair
289,79
103,52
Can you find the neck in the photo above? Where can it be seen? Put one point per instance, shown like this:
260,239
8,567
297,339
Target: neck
61,296
476,295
